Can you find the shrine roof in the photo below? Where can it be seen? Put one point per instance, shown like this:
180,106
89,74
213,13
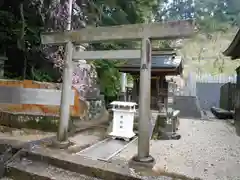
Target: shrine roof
233,49
166,62
123,103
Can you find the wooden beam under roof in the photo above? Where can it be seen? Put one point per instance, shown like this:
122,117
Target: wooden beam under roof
115,54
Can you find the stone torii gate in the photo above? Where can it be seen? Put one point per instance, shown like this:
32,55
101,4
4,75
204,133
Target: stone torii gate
140,32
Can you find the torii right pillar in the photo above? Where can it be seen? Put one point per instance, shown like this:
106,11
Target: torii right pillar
237,105
144,124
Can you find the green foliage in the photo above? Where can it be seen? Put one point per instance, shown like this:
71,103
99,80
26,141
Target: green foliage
40,75
20,26
7,26
115,12
129,78
210,15
118,12
109,77
20,29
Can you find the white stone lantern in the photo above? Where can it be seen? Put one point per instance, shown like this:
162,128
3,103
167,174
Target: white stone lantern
123,119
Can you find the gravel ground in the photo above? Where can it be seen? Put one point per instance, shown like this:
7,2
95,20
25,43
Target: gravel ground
209,150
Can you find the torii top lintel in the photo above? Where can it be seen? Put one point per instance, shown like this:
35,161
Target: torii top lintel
166,30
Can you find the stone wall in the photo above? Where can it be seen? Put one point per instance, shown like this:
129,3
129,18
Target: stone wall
76,109
36,116
95,107
46,117
33,121
208,94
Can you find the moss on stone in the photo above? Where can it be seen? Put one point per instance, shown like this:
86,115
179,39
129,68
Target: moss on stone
160,124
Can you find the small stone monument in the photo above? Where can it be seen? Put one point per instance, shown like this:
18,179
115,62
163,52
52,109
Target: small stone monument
2,62
123,119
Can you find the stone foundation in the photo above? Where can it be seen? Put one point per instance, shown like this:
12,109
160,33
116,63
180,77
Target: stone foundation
49,122
163,128
31,121
92,108
96,106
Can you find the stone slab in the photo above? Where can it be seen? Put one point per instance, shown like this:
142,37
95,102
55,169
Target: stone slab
105,149
118,170
18,95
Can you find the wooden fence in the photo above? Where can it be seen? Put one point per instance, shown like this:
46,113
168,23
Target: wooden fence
228,96
207,88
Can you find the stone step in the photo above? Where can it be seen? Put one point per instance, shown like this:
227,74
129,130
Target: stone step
188,106
46,164
40,163
28,169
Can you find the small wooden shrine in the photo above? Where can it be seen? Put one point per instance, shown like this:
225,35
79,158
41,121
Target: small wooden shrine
233,51
164,63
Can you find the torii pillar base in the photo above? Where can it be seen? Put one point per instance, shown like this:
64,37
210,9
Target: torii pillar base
148,162
61,144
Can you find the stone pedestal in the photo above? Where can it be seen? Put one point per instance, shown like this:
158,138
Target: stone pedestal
60,144
237,105
238,77
237,114
2,62
122,96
